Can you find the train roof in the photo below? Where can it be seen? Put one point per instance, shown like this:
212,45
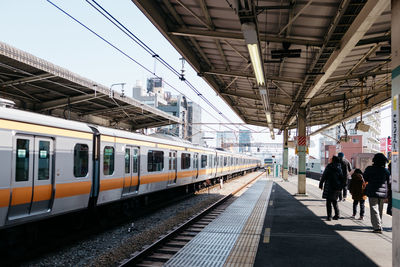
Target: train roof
46,120
35,118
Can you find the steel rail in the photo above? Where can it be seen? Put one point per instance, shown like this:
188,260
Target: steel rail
153,247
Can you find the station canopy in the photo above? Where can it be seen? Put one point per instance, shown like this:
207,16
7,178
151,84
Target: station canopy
37,85
267,59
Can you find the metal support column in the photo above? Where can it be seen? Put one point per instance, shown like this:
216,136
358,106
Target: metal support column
395,43
301,151
285,155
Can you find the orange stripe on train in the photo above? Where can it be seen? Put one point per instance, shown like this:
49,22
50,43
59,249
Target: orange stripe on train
42,192
4,197
73,189
21,195
110,184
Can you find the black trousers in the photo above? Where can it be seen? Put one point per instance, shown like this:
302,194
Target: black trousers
346,184
329,204
362,207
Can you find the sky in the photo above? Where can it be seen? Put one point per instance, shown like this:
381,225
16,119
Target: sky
41,29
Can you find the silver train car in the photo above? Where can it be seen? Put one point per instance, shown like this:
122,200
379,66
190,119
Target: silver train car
52,166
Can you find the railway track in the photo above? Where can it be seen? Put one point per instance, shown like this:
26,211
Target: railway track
168,245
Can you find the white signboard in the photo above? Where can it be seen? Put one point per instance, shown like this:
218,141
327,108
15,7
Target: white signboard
395,143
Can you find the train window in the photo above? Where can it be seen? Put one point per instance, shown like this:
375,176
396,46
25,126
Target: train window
127,160
44,160
203,161
196,161
225,161
155,161
174,161
135,160
210,160
170,160
185,161
22,161
81,160
108,160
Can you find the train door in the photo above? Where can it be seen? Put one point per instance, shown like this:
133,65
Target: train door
32,180
42,175
132,173
196,165
173,170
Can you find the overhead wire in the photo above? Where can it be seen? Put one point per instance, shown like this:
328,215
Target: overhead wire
129,57
137,40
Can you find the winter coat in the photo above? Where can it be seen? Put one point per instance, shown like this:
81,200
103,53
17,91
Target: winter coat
378,179
357,186
332,181
346,168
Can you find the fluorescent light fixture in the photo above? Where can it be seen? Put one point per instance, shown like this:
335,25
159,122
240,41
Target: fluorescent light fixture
251,38
292,120
256,62
268,115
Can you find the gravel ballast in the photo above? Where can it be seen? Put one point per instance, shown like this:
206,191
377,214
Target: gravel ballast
111,247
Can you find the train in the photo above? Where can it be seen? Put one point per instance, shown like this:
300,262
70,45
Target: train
53,166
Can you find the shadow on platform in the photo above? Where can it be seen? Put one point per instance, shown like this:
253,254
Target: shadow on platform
298,237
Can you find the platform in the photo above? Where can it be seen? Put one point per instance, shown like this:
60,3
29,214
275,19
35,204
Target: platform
269,226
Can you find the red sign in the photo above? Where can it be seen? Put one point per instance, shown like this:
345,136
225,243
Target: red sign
389,144
382,147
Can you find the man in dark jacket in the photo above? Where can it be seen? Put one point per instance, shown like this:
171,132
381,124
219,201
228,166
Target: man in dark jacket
378,179
346,169
332,182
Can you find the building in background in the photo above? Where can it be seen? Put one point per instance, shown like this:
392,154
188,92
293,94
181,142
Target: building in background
357,142
228,141
194,131
271,151
153,98
155,85
176,106
244,141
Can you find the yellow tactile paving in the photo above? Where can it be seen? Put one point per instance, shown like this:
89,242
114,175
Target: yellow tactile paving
245,248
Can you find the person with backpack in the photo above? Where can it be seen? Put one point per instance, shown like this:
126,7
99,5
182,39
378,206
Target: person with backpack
346,169
332,183
356,187
378,179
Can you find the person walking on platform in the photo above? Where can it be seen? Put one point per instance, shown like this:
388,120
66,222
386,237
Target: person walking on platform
356,188
332,184
346,169
378,179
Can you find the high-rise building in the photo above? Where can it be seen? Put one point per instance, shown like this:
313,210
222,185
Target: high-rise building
155,85
244,141
177,106
194,132
152,98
